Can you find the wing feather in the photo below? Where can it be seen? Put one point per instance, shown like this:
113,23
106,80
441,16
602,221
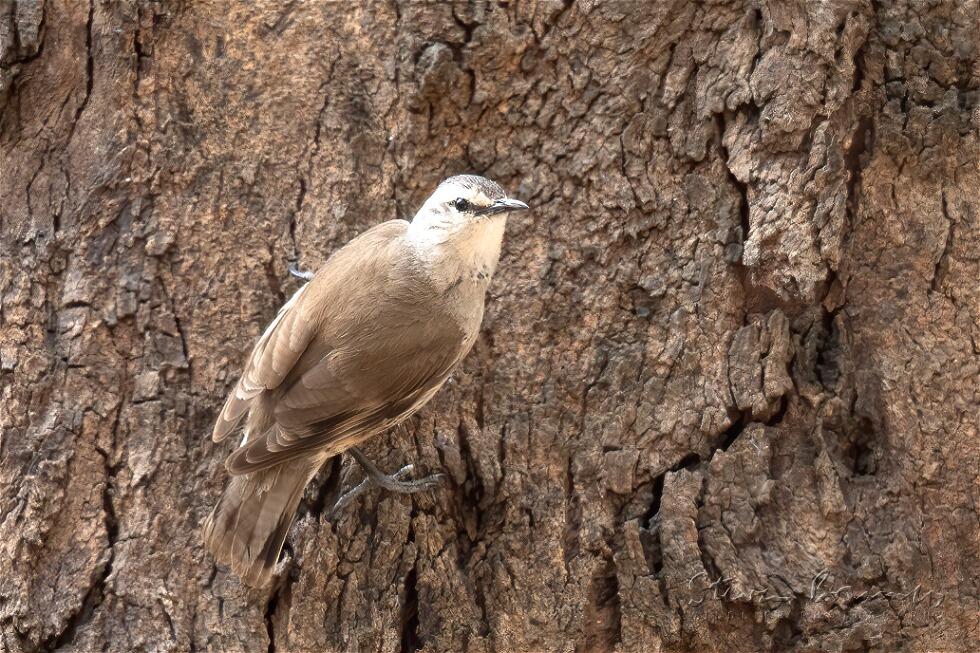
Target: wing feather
360,395
278,349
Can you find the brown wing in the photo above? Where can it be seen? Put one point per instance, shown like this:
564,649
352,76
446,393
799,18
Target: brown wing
355,392
272,358
307,316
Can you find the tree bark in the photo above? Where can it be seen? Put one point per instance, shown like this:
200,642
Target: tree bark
725,396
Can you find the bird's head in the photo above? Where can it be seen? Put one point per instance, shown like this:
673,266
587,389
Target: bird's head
465,200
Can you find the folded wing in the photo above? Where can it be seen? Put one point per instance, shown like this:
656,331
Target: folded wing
272,358
355,392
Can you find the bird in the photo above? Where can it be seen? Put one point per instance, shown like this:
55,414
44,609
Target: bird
362,346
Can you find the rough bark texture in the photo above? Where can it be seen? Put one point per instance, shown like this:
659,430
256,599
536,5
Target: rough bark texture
726,393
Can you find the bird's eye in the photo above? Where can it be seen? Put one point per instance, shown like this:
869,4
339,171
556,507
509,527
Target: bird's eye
461,204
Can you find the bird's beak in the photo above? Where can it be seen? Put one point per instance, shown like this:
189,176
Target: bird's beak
504,205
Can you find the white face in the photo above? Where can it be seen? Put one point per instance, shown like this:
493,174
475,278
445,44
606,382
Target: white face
455,205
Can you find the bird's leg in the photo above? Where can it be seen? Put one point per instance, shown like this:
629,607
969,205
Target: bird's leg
375,477
305,275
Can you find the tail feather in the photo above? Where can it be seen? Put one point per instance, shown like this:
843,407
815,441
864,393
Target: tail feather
248,526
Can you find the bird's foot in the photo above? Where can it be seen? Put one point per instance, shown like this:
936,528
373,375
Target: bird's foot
374,477
305,275
391,483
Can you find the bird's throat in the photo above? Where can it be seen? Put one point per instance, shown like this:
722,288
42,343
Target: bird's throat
469,254
478,245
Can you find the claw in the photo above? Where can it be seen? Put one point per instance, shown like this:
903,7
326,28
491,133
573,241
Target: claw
305,275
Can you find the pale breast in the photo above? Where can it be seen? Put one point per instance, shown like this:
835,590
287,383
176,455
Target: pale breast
458,270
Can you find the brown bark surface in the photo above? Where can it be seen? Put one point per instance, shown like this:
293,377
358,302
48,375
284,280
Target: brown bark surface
725,397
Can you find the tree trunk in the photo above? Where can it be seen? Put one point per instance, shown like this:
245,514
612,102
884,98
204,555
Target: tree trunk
725,396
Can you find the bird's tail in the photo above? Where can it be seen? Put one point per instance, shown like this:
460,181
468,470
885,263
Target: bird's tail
247,528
